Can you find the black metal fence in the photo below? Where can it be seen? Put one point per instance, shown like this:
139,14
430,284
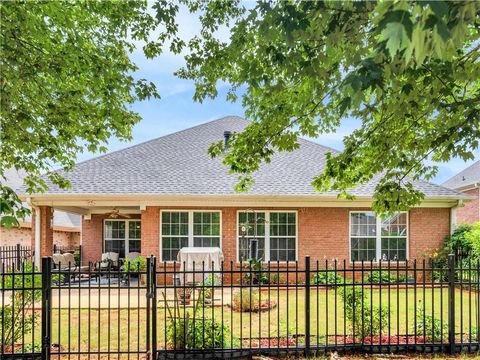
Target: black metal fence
14,256
230,310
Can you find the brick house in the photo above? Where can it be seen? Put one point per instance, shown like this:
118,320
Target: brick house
468,183
167,193
66,226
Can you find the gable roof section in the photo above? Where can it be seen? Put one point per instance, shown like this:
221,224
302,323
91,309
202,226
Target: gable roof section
178,164
466,178
14,179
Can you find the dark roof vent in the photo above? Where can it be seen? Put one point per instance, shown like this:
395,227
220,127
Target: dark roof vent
226,136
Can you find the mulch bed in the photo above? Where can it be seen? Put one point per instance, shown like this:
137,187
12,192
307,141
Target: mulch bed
269,342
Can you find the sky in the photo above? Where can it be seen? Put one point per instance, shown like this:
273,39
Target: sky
176,109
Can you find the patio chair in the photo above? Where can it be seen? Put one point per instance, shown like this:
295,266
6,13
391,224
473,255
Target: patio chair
109,263
64,265
110,260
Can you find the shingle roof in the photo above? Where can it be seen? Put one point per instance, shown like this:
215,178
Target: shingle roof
467,177
178,164
14,179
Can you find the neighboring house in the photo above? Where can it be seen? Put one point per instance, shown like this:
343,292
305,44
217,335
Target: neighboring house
168,193
66,226
467,182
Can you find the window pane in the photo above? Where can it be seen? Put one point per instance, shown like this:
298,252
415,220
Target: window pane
117,246
363,249
282,236
171,246
134,246
206,242
174,233
394,237
134,230
249,225
394,249
363,224
108,229
206,229
395,225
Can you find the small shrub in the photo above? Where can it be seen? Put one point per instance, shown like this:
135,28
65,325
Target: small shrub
433,328
17,314
327,278
363,318
472,237
138,264
197,334
384,277
245,300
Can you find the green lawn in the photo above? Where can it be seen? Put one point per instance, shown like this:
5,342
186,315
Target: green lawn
125,329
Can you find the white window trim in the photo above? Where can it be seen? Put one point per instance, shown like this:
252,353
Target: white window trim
127,233
267,233
378,236
190,228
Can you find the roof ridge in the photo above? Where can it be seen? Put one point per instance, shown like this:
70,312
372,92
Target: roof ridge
321,145
462,171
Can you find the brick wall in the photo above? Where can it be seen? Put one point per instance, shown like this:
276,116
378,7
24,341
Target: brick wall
470,212
322,232
92,237
428,229
10,237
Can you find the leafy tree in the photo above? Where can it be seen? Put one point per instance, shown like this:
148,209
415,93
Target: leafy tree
408,70
67,82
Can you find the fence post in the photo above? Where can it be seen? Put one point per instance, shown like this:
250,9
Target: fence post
153,265
149,297
80,253
307,306
451,302
19,263
46,307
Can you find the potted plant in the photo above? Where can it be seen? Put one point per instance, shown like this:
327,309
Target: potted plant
184,294
137,265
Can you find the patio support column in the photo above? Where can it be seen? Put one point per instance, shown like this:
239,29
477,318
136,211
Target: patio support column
150,236
42,239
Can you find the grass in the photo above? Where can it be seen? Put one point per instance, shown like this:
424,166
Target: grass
124,329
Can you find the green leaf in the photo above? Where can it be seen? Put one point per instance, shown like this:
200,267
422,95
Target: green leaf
395,37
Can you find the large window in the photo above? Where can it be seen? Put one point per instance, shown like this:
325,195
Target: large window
373,238
188,228
122,236
276,233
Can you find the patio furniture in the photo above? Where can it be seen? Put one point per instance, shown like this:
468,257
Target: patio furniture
109,264
65,266
201,266
110,260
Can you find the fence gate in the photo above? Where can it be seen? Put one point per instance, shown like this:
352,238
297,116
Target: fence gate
96,312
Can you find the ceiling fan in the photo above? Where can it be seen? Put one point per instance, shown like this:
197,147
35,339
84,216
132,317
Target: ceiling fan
115,214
